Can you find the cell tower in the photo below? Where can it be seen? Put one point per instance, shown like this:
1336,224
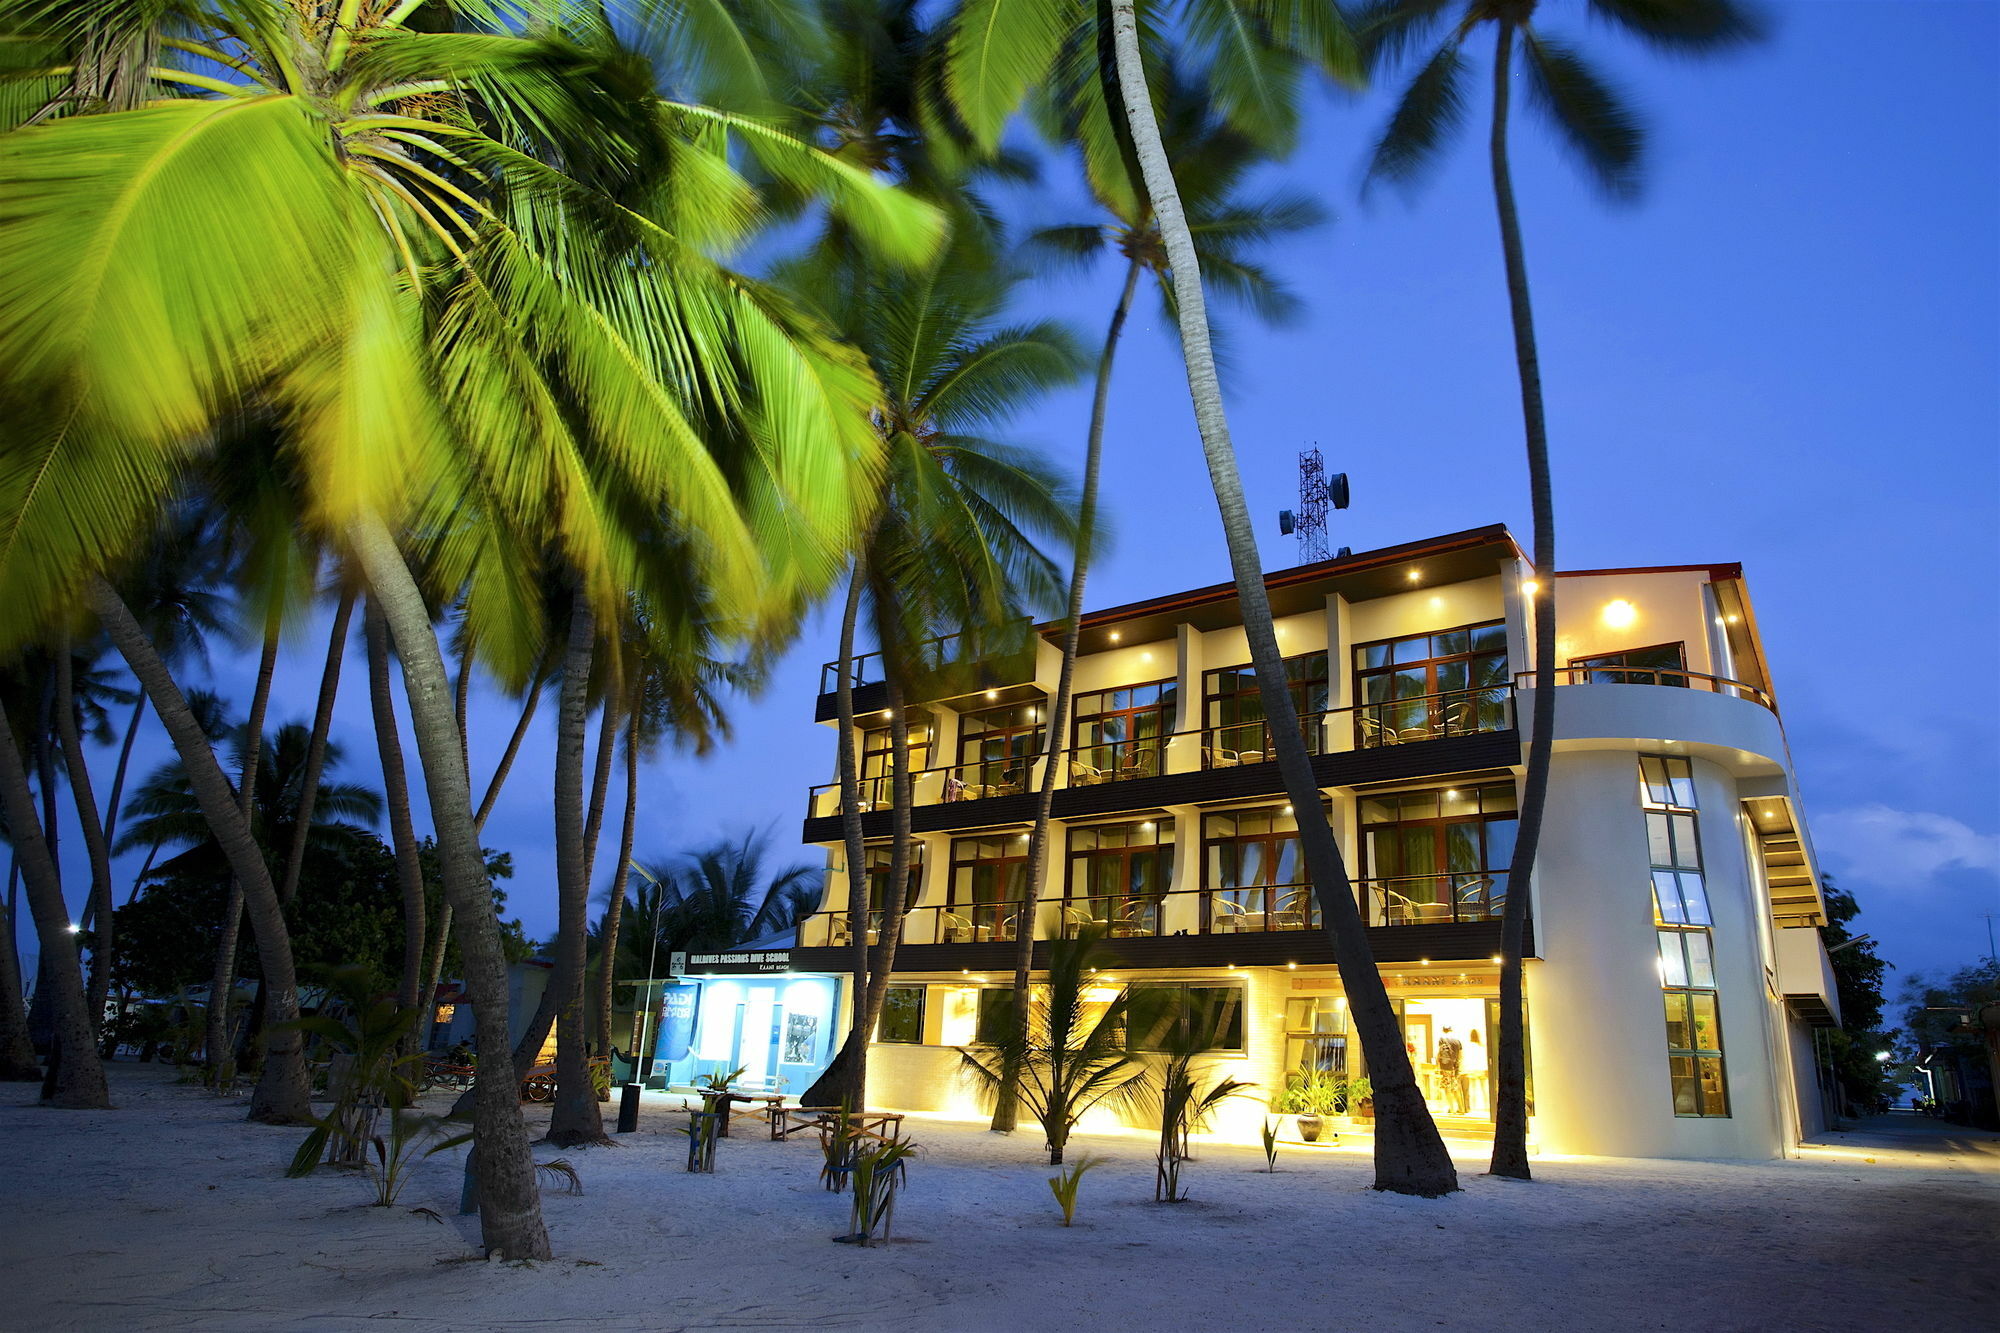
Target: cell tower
1317,493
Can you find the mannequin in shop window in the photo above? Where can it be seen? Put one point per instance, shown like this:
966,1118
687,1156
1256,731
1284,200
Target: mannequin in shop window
1472,1073
1450,1085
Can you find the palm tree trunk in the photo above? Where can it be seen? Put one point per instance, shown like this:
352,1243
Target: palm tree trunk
1410,1157
79,1078
17,1048
510,1208
1510,1099
839,1083
897,905
222,977
614,912
396,786
282,1096
117,797
76,765
575,1118
600,787
506,764
1006,1112
329,689
461,698
43,750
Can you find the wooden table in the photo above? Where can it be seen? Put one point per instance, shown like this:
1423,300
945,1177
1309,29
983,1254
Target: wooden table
789,1120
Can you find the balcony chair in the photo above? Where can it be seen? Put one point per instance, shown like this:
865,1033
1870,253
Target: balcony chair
1083,775
1229,917
1295,912
1214,756
1138,764
1076,918
1373,731
955,928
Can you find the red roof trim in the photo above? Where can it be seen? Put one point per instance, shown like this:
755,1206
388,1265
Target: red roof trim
1716,573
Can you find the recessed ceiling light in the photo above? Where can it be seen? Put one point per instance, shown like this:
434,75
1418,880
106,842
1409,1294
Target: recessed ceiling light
1414,576
1114,636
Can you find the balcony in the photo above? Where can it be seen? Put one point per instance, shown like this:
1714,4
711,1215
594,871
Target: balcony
956,666
1669,677
1213,763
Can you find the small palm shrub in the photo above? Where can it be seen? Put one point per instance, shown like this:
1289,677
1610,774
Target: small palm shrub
1065,1184
878,1171
1067,1063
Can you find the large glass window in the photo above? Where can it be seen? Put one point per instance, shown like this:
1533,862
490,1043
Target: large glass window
1252,877
1233,710
1680,894
996,1015
996,748
876,770
1119,875
875,864
1686,945
1316,1033
1660,664
1437,855
1207,1014
1122,733
902,1018
989,887
1425,686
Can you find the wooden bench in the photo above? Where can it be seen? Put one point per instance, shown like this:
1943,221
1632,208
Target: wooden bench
789,1120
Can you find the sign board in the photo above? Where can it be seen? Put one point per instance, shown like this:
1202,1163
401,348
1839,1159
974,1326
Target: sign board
769,960
677,964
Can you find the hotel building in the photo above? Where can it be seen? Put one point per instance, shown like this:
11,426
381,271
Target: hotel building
1675,977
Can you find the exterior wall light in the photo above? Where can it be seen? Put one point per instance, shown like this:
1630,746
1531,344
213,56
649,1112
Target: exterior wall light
1114,636
993,694
1530,587
1415,576
1620,614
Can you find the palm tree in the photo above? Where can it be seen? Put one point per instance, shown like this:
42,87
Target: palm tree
408,250
396,787
1607,139
1065,1058
954,549
993,66
1210,162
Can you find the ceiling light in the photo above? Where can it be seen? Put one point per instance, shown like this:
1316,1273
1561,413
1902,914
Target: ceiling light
1451,793
1114,636
1496,957
1620,614
993,694
1414,576
1530,587
1423,962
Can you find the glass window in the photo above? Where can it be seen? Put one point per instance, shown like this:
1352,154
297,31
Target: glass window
1233,710
1666,782
995,746
902,1016
1119,875
1659,664
1687,960
1437,855
989,887
1122,733
1208,1013
876,769
1316,1032
1449,683
996,1015
1252,875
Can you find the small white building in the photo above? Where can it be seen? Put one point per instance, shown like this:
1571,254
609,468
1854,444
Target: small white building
1676,976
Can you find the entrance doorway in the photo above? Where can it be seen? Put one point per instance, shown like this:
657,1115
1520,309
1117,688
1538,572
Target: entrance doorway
1450,1043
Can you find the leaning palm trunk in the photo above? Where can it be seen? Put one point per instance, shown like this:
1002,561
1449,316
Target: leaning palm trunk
92,824
396,786
222,979
329,690
614,913
1006,1112
79,1078
506,764
575,1118
17,1048
840,1084
117,797
510,1209
593,829
1510,1102
282,1095
1410,1157
897,901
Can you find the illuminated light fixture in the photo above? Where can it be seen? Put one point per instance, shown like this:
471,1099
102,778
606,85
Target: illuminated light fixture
1288,809
1496,957
1148,656
1114,636
1620,614
1451,793
1415,576
1024,837
1423,962
1292,967
965,971
1437,601
1732,619
1719,620
1530,587
1148,825
885,712
993,694
75,929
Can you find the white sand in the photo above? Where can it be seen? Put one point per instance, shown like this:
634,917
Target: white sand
172,1213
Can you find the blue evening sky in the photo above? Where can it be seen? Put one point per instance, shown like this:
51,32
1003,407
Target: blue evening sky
1786,354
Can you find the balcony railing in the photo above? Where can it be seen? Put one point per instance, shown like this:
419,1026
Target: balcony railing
1226,745
1402,900
1673,677
943,650
1428,900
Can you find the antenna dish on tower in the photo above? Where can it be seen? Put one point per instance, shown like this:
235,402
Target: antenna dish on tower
1317,493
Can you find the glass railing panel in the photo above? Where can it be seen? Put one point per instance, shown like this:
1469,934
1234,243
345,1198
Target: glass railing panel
1422,900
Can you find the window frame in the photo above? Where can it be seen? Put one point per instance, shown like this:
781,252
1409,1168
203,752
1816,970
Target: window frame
994,768
1274,905
1214,728
1434,704
1494,896
1165,840
1601,662
968,905
1185,1012
1115,753
882,1019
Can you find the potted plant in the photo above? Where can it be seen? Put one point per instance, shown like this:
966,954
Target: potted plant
1358,1098
1309,1096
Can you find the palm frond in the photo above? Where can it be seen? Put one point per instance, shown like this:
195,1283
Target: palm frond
1431,109
1685,27
1601,131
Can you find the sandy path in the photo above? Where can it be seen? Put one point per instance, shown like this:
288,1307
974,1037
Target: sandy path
172,1213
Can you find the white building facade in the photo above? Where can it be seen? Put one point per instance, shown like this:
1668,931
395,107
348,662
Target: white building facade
1676,977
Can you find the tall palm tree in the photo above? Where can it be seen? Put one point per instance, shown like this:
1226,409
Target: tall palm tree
1211,161
1607,140
956,547
409,250
718,896
402,828
992,71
